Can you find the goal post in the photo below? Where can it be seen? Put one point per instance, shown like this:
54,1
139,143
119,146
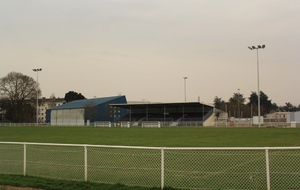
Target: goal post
102,124
151,124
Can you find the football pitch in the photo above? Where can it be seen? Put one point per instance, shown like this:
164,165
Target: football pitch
183,168
156,137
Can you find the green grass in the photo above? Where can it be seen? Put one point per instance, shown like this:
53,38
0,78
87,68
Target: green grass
156,137
195,168
53,184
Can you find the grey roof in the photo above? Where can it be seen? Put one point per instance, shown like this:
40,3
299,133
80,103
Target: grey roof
82,103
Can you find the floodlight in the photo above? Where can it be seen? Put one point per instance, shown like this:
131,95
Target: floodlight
258,90
37,93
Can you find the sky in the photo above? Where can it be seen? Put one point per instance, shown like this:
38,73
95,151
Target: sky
143,49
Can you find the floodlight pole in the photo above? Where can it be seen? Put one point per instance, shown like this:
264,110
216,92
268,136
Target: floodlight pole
258,93
185,88
239,115
37,94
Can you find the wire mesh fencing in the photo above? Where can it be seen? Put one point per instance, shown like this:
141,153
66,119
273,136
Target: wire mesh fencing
215,169
130,166
184,168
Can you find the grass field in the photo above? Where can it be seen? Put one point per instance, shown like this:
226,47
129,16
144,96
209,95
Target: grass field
183,168
53,184
156,137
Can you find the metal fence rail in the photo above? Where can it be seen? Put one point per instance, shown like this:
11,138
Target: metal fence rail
191,123
185,168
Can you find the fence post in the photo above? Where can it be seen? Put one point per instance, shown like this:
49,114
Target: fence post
268,169
162,168
24,160
85,164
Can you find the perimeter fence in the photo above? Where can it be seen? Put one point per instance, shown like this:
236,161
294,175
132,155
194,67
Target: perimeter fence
191,123
183,168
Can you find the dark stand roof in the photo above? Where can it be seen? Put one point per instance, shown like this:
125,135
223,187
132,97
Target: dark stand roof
179,104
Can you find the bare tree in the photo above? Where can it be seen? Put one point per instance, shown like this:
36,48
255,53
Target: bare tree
19,92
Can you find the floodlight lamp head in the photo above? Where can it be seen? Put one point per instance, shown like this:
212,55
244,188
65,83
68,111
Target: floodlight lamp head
259,46
263,46
253,47
250,47
34,69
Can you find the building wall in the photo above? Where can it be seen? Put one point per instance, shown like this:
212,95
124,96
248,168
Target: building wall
67,117
276,115
293,116
80,114
45,104
109,113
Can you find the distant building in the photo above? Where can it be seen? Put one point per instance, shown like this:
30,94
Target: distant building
80,112
47,103
277,116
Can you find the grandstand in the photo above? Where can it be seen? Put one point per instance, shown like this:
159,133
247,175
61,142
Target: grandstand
168,114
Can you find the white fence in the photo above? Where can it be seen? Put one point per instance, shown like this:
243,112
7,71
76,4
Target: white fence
175,124
184,168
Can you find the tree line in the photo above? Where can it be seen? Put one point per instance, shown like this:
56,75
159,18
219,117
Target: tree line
19,94
238,107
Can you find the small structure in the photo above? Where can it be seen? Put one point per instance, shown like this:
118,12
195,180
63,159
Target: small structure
275,116
293,118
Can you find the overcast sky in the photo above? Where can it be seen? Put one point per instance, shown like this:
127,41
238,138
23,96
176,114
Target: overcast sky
144,48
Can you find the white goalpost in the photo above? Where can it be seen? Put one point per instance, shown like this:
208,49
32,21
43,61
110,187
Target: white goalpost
102,124
151,124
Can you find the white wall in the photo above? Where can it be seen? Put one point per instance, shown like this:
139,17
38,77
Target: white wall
256,118
67,117
293,116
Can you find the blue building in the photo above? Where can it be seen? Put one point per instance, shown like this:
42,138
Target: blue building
80,112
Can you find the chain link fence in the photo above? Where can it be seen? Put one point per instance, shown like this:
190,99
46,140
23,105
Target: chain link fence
184,168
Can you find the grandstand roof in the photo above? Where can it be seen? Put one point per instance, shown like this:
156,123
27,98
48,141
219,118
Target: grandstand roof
161,104
82,103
